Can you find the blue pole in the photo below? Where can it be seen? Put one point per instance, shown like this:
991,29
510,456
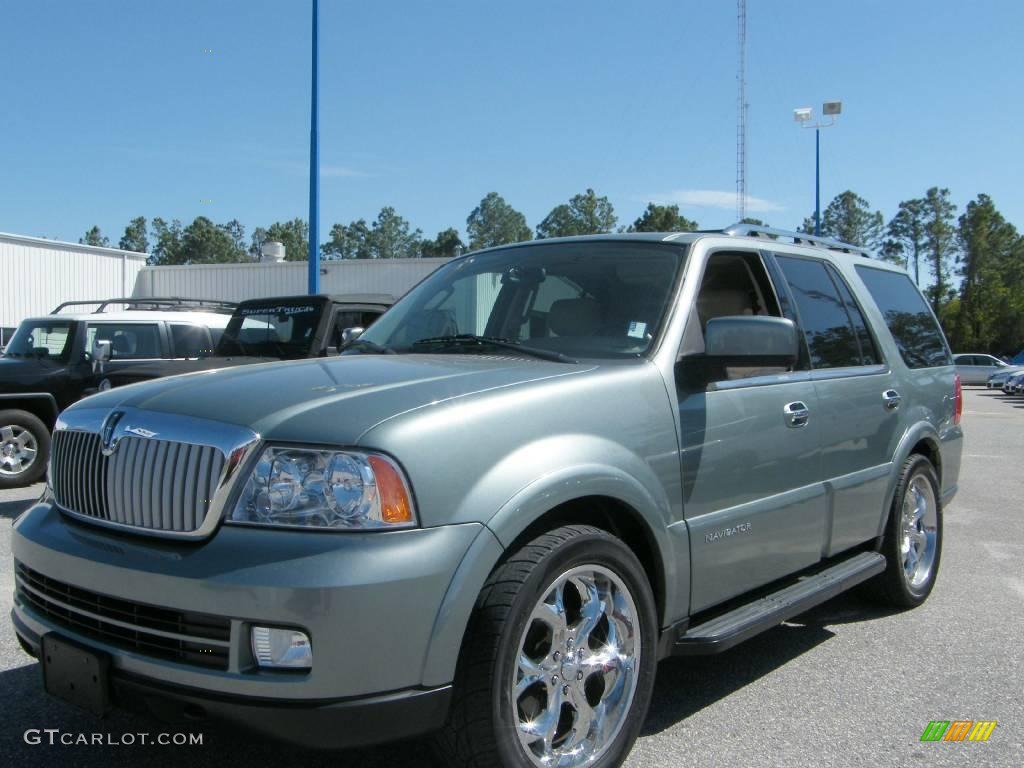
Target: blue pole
817,182
314,162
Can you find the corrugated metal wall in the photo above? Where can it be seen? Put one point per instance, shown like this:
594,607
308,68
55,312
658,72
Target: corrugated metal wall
36,275
236,282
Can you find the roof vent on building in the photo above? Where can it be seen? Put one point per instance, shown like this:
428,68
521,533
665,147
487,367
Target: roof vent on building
272,251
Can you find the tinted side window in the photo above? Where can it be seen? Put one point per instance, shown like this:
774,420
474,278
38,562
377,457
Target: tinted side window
127,340
823,316
868,351
913,326
191,340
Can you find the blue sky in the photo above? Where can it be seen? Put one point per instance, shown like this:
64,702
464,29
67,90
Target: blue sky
112,109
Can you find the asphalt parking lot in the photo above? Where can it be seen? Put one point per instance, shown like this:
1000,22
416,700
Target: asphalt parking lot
843,685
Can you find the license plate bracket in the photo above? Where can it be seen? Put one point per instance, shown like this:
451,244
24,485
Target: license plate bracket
75,674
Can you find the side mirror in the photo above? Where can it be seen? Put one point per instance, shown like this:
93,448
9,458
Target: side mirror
100,354
752,341
350,334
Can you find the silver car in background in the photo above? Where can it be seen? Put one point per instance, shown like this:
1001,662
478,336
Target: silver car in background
977,368
998,379
1013,383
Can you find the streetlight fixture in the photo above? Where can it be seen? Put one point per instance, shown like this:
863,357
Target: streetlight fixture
804,116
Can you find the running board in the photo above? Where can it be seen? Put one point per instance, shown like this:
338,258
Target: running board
724,631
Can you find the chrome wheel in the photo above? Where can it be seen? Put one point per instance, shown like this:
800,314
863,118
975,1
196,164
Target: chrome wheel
919,531
577,668
18,450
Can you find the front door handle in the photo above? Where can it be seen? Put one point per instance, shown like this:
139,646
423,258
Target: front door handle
892,399
797,414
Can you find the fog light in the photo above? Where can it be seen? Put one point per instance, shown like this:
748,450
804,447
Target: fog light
277,648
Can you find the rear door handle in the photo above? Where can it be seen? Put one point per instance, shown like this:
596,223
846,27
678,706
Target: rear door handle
892,399
797,414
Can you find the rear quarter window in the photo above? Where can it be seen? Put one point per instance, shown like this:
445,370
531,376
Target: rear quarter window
191,340
911,322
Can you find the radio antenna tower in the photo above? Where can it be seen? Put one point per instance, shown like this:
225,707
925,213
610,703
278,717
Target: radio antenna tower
741,110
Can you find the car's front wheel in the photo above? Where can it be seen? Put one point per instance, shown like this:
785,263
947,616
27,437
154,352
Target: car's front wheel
24,448
558,661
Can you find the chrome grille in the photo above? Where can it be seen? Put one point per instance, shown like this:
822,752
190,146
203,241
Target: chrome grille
184,636
159,485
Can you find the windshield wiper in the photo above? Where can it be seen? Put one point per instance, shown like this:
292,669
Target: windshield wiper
370,346
469,339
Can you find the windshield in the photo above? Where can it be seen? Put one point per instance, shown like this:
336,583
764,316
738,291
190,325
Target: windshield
42,339
271,330
581,300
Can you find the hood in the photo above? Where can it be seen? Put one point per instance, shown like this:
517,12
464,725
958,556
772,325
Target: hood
331,400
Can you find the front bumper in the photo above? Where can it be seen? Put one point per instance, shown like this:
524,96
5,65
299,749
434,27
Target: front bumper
338,724
369,603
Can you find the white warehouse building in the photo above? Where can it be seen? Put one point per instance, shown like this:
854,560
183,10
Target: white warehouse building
236,282
37,274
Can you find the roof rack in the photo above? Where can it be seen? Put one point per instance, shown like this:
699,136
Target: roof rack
170,304
798,238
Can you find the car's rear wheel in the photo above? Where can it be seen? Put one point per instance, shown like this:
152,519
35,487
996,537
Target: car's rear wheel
24,448
913,539
558,662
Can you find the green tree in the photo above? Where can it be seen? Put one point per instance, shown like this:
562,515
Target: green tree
349,242
905,242
446,244
585,214
391,236
201,242
990,290
495,222
662,218
939,244
134,237
94,237
167,242
293,235
849,219
236,232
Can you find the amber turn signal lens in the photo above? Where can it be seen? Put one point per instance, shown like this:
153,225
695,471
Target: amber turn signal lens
395,506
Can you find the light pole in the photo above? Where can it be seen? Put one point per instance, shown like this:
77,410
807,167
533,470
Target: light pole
314,161
804,116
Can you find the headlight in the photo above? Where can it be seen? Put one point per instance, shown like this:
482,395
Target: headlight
310,488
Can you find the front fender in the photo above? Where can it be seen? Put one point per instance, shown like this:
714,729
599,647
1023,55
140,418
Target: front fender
517,514
649,502
45,404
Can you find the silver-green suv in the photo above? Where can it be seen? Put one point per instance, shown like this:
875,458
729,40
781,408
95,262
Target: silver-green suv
546,468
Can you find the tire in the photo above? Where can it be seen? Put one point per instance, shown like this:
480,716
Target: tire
21,433
912,543
513,615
